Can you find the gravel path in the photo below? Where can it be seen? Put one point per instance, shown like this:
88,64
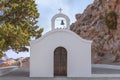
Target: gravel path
23,74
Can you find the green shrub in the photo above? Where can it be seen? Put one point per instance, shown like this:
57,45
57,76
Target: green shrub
111,20
100,1
92,7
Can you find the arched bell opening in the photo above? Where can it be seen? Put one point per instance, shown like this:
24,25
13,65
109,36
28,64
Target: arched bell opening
63,16
60,23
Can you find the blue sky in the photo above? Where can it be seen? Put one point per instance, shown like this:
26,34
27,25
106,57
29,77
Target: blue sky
48,8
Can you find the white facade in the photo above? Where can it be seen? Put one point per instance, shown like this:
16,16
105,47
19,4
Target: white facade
78,54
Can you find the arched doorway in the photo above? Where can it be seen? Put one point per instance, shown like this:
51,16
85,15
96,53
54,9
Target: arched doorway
60,62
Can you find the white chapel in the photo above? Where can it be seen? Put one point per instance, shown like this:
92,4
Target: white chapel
60,52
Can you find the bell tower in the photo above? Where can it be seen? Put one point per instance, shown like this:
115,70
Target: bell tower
60,15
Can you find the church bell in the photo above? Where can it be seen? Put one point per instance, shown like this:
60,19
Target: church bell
62,22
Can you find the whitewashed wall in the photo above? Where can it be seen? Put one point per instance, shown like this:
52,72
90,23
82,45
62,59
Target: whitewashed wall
78,54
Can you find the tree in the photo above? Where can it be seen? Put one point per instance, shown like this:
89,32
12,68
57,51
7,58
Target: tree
18,24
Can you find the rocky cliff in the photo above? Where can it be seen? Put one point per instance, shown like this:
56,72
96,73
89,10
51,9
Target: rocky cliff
100,22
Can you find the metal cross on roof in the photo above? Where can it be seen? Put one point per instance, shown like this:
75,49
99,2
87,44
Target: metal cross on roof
60,10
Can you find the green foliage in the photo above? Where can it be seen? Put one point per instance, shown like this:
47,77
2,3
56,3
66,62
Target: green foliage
1,54
19,21
92,7
100,2
111,20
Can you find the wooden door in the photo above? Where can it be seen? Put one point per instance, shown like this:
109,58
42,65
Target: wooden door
60,62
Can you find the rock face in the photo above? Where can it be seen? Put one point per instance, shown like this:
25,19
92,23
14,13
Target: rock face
100,22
